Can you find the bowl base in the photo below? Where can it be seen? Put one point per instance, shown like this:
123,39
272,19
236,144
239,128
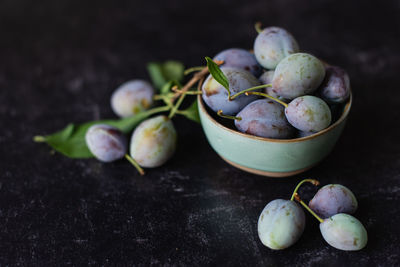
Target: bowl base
267,173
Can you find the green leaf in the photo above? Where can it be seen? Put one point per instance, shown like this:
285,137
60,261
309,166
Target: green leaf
161,73
166,88
71,140
192,112
217,74
156,74
173,70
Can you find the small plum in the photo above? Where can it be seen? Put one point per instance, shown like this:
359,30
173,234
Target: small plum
216,96
297,75
241,59
281,224
153,142
264,118
336,86
308,113
272,45
332,199
344,232
266,78
106,142
132,97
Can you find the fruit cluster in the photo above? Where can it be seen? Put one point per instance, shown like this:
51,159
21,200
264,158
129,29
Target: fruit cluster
153,142
282,222
293,80
304,90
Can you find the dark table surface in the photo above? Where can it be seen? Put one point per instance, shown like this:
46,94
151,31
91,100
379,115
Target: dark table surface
60,62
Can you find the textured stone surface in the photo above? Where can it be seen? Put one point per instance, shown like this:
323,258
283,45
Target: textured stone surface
61,60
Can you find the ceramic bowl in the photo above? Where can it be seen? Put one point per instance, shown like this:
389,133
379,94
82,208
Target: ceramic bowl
266,156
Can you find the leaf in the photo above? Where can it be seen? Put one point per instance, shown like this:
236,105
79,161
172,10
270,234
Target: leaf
161,73
166,88
71,140
173,70
192,112
156,74
217,74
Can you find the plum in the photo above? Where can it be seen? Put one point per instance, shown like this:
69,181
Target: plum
344,232
281,224
272,45
308,113
297,75
132,97
332,199
106,143
336,86
264,118
153,142
216,96
241,59
266,78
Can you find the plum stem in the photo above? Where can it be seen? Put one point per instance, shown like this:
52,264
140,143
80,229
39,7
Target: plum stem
176,90
298,199
193,69
135,164
313,181
268,96
196,77
221,114
182,92
257,26
248,90
178,103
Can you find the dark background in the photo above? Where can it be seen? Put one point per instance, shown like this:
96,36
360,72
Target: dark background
61,60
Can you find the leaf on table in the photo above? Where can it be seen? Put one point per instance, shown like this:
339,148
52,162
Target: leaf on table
70,141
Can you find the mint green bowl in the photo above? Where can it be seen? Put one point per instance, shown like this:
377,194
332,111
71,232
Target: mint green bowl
270,157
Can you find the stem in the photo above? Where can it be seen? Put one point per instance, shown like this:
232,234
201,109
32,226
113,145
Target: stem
196,77
249,89
157,110
221,114
193,69
161,97
257,26
39,139
176,90
178,103
135,164
313,181
298,199
268,96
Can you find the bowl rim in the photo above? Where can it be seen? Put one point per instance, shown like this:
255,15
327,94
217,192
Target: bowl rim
299,139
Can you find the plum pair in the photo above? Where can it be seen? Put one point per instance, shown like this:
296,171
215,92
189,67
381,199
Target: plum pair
153,142
341,230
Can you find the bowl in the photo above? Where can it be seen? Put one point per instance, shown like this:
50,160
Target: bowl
266,156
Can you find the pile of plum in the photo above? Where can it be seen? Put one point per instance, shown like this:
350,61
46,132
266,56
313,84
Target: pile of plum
305,91
282,222
153,142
